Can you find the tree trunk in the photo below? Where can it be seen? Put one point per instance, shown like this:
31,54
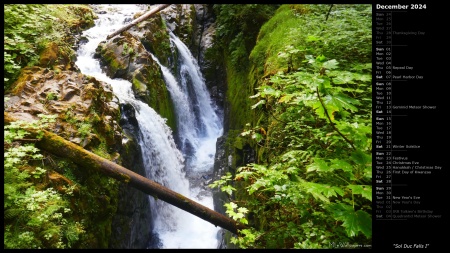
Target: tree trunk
138,20
57,145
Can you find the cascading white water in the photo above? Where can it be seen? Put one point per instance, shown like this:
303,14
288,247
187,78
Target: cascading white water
186,124
192,78
208,125
163,161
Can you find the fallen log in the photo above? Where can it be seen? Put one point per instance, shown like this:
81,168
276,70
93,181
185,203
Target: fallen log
57,145
147,15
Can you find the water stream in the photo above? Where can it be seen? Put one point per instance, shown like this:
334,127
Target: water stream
181,167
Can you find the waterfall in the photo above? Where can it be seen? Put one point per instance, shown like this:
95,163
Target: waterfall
198,129
208,125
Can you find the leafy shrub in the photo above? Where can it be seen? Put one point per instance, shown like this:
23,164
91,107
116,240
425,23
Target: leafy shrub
35,217
311,184
29,28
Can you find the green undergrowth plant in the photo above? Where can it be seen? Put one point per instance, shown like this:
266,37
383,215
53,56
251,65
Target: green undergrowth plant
35,215
311,184
51,202
30,28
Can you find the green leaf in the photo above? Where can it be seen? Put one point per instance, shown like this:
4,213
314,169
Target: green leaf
363,77
361,158
323,189
292,170
237,216
261,182
257,136
312,38
228,189
331,64
316,190
244,174
338,164
320,110
269,91
318,165
338,190
360,67
233,205
286,98
364,190
321,58
343,77
283,55
340,101
353,222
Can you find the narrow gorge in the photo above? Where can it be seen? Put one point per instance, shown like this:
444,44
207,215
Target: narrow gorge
260,112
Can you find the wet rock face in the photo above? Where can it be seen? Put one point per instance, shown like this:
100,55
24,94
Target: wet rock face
181,20
153,34
132,224
221,167
194,25
121,55
210,64
128,119
74,97
124,56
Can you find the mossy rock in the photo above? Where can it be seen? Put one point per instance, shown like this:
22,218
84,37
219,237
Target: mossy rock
149,86
110,57
49,56
140,69
85,14
155,38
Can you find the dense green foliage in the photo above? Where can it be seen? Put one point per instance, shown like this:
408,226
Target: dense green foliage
35,216
298,75
237,30
311,185
235,37
49,201
29,28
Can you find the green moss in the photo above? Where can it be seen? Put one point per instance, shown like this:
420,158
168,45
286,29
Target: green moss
148,84
29,29
49,55
237,96
96,202
287,37
237,29
138,86
112,62
187,29
102,150
156,39
239,143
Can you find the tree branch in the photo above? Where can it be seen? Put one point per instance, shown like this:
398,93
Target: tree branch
138,20
331,122
328,13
